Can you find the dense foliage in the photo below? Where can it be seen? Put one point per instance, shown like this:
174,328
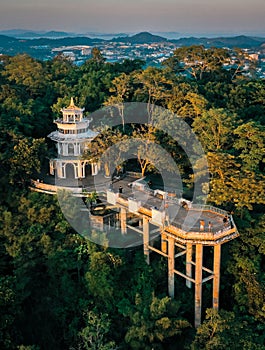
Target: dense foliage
60,291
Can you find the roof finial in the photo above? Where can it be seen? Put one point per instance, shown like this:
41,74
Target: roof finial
72,102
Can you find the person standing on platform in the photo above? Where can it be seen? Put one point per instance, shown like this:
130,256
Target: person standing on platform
202,225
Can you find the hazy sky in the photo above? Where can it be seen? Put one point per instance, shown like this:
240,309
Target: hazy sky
185,16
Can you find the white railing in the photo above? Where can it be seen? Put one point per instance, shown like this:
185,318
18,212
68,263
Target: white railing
134,174
209,208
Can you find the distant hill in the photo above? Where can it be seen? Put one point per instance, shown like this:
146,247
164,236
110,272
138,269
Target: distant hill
41,47
7,40
24,34
241,41
64,41
141,38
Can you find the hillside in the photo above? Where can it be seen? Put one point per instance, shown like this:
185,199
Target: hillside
41,48
241,41
141,38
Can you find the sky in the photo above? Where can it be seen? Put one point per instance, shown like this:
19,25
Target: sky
115,16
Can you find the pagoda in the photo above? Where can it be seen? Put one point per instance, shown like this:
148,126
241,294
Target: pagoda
72,138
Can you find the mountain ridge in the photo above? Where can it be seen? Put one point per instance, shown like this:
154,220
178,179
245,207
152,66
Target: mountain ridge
41,47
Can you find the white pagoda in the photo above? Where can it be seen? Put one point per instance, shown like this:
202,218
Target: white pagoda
72,137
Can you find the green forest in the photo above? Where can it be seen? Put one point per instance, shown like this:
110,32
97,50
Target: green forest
61,291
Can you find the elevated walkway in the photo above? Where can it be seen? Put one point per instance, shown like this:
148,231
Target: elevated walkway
184,228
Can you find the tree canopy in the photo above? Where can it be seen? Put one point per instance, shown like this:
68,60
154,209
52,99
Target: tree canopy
59,290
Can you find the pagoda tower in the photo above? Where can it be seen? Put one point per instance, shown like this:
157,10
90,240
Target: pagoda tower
72,137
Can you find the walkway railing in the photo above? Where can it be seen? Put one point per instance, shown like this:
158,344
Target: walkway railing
209,208
214,230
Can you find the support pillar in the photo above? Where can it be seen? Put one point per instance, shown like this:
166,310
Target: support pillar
146,237
123,217
94,169
216,275
60,170
164,242
65,149
188,263
198,284
75,149
84,169
76,170
171,267
79,170
51,163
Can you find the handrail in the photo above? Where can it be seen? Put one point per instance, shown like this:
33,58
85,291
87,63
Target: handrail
209,208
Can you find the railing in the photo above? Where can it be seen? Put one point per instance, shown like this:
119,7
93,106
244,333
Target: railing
35,184
134,174
209,208
214,230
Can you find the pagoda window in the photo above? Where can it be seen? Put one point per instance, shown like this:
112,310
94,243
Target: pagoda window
71,149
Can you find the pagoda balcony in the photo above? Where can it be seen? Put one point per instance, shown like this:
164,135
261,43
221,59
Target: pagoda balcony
72,122
60,137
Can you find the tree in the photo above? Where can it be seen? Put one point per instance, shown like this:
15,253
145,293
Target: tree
108,148
240,59
28,155
8,305
251,145
225,330
154,322
215,129
196,60
145,146
26,73
121,89
97,55
94,335
154,87
247,100
229,184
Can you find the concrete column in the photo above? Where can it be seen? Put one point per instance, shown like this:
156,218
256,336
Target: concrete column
65,149
123,217
51,163
188,263
63,170
171,267
94,169
146,238
198,284
76,170
164,242
59,169
59,148
84,170
79,170
216,275
75,149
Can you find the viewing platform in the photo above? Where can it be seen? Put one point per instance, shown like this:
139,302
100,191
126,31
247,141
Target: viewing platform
184,229
186,221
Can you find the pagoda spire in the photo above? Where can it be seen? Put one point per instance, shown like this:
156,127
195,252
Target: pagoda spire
72,104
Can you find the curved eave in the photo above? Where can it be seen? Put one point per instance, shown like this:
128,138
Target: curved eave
86,137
